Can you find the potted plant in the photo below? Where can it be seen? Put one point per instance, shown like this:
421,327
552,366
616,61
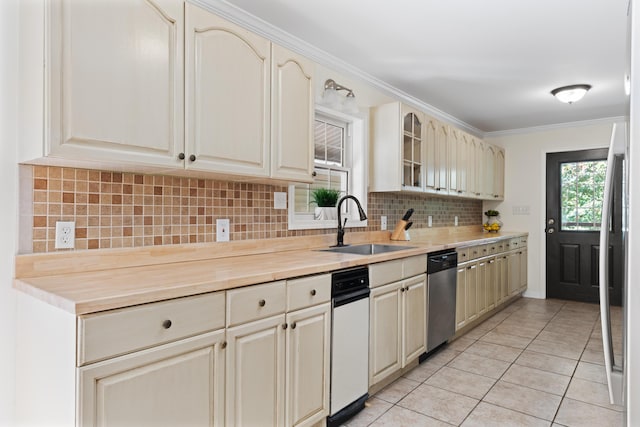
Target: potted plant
326,200
493,224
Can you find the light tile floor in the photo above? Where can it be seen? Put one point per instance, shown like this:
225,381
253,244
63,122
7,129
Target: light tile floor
535,363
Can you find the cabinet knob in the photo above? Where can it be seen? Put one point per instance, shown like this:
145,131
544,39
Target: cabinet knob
402,289
223,345
313,292
285,326
496,196
181,156
192,157
469,268
166,324
477,194
262,303
460,191
293,325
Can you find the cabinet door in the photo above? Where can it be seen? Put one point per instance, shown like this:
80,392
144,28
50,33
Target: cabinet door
442,176
431,170
461,297
116,91
489,171
462,166
481,286
479,160
414,318
472,178
491,284
523,270
255,373
514,272
227,102
503,273
412,148
181,383
498,183
384,334
471,288
452,167
292,112
307,365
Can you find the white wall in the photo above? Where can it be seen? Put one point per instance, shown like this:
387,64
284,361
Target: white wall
9,202
525,184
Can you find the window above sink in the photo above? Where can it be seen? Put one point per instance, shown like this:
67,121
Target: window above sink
341,163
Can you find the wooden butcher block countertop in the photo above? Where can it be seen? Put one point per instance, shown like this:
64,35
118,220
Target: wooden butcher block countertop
83,282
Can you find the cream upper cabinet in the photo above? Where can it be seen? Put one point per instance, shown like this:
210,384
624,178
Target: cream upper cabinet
452,167
489,171
398,144
181,383
472,150
292,115
479,158
115,73
498,179
437,139
227,103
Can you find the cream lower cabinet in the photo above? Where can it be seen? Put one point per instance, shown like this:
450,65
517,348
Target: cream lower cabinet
307,371
461,299
398,320
181,383
255,373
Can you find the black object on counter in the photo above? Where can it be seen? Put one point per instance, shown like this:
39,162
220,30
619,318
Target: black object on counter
408,214
408,226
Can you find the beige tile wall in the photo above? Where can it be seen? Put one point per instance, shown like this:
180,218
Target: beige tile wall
113,209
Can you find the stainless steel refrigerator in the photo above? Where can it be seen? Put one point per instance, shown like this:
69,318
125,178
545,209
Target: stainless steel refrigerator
613,319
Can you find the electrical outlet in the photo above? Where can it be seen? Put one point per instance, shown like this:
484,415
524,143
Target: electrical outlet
65,235
430,221
455,220
222,230
383,222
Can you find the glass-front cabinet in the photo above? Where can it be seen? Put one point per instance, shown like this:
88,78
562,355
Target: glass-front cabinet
412,162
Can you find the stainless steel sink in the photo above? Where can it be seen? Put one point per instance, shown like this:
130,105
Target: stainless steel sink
368,249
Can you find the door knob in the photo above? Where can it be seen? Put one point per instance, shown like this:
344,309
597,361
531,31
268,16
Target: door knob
551,230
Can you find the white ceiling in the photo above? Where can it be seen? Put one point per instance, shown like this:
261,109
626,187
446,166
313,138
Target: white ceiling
488,63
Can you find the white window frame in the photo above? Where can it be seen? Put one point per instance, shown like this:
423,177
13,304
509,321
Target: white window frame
357,154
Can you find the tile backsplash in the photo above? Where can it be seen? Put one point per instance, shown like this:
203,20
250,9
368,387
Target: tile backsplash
114,209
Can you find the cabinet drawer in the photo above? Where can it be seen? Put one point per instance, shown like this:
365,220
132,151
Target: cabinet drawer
255,302
121,331
515,243
492,248
463,254
413,266
308,291
523,241
385,272
475,251
484,250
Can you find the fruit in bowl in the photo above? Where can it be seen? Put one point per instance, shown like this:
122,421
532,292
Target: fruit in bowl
495,227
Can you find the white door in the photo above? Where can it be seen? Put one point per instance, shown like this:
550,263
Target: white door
255,373
177,384
227,102
116,82
385,355
292,112
414,318
307,360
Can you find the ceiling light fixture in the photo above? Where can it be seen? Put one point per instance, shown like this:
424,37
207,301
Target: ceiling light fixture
331,98
570,94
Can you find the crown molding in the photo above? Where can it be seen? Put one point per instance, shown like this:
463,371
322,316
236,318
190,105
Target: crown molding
556,126
239,16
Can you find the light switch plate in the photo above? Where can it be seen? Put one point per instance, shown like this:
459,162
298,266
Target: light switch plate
455,220
430,221
383,222
222,230
279,200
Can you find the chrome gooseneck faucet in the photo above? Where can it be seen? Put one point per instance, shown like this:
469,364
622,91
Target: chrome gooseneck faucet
361,212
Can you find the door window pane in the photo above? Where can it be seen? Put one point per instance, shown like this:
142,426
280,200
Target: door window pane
581,193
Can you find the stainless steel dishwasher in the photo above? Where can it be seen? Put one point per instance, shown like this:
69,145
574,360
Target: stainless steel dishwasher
349,344
441,282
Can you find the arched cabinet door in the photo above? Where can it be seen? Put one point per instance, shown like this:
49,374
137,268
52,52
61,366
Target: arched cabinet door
227,102
292,116
115,81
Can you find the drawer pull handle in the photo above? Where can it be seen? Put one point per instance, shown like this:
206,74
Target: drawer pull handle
313,292
285,326
166,324
262,303
293,325
223,345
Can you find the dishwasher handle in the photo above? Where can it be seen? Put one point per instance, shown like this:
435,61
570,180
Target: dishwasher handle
351,297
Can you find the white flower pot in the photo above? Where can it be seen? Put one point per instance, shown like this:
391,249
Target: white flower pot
326,213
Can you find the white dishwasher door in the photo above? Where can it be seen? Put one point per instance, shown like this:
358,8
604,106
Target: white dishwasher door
349,353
